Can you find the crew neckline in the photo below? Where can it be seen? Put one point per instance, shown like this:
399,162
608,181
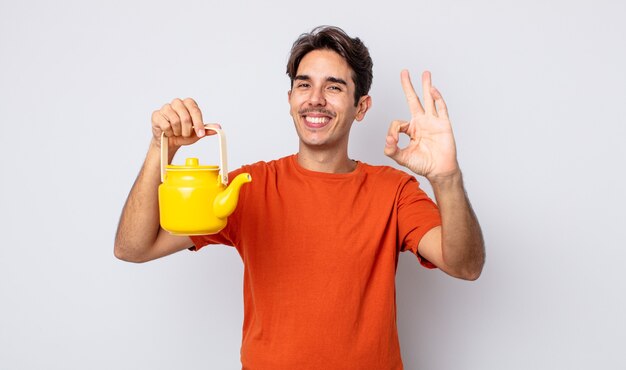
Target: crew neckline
294,161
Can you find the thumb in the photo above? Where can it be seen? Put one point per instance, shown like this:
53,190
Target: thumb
208,129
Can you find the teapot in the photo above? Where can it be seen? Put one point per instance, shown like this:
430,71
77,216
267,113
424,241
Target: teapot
195,199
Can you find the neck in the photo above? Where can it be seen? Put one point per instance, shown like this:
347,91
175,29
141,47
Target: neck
329,161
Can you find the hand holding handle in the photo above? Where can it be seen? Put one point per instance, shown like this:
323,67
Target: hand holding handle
223,160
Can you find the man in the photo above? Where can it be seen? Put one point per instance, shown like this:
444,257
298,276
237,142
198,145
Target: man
319,233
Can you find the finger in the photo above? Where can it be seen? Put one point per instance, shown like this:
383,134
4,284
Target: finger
397,126
207,128
185,118
172,117
391,147
429,103
442,109
196,116
411,97
160,124
391,142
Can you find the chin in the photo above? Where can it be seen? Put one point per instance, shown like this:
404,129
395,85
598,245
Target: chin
316,143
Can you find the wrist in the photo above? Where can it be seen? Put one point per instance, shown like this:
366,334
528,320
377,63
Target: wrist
443,181
155,148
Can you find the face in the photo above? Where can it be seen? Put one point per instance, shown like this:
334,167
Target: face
322,100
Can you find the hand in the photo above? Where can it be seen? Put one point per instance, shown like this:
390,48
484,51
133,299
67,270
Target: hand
431,151
181,121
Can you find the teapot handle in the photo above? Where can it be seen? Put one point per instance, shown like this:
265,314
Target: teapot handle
223,160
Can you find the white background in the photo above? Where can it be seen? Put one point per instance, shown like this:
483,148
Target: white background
536,92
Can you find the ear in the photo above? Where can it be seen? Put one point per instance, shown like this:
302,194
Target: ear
289,95
365,102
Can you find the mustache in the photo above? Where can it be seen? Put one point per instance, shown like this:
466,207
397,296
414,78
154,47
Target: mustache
317,110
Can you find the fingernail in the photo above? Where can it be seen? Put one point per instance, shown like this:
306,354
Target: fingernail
200,133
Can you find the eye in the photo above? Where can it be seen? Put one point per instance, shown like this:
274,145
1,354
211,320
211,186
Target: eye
334,88
303,85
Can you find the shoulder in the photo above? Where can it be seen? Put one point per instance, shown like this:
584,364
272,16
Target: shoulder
386,173
264,168
273,165
393,181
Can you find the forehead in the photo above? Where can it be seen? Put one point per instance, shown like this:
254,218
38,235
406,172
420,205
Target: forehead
324,63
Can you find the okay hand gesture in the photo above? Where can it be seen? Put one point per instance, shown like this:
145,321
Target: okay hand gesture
431,151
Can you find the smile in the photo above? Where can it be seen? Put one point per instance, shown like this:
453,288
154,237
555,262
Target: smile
317,120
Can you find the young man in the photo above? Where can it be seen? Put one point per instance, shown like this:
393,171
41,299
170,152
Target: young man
319,233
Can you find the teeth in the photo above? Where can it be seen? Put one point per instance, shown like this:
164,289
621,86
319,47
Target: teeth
317,120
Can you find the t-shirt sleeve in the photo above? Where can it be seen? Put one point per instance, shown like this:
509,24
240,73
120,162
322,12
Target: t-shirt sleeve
417,214
226,236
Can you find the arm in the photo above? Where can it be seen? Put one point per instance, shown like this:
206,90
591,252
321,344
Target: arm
139,237
456,247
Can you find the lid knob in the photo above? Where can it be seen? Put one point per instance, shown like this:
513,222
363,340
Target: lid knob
191,162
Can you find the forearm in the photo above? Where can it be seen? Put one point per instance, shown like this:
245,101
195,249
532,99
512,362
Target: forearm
139,223
463,249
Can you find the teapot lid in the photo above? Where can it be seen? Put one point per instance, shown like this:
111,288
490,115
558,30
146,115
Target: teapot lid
191,164
223,171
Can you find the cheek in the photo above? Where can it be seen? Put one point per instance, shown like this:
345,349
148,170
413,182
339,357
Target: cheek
293,106
340,102
296,101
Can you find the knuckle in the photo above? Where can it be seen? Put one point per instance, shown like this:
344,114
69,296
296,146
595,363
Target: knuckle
194,109
190,102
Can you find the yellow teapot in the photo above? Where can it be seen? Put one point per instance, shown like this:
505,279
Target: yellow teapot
195,199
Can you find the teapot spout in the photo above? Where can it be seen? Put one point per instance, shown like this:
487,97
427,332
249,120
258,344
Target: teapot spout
226,201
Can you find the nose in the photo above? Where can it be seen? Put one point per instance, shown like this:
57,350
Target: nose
317,97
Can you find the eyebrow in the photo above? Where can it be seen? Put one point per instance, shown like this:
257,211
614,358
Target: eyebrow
329,79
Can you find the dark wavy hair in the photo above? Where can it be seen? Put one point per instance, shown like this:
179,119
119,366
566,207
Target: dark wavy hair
334,38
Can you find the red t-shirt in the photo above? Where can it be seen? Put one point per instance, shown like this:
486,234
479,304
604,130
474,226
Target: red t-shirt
320,253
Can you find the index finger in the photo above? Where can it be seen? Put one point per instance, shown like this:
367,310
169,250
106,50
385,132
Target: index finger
411,97
196,116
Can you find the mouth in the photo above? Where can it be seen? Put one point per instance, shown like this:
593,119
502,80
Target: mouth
316,120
